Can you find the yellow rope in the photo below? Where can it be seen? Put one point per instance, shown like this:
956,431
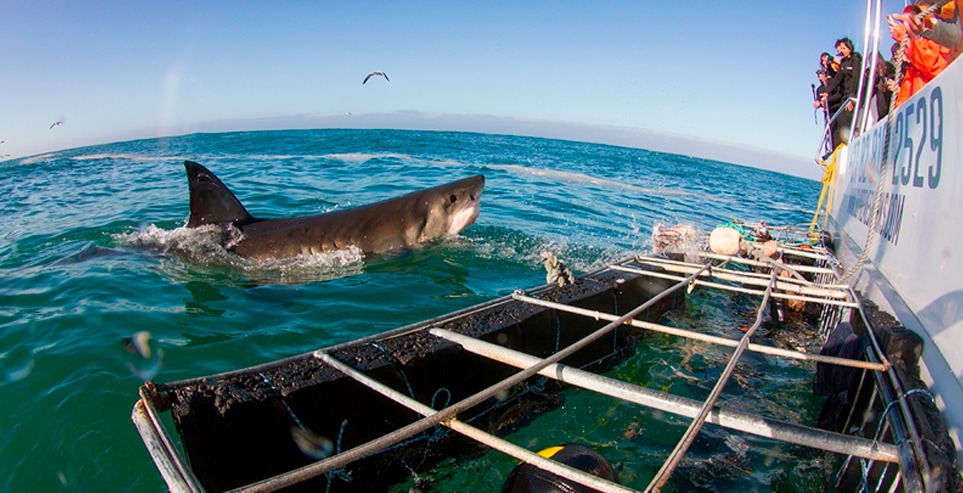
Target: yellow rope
827,194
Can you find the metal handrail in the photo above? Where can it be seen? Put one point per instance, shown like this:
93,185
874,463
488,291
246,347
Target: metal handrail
827,132
872,55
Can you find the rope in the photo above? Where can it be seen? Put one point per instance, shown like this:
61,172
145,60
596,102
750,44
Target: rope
284,402
878,198
828,186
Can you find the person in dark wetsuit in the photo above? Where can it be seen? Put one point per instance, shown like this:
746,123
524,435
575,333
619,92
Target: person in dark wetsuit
885,73
828,63
822,94
842,86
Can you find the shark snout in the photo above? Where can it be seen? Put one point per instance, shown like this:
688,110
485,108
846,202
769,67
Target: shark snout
463,218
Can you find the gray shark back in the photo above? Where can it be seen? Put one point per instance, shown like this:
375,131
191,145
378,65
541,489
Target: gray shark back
400,222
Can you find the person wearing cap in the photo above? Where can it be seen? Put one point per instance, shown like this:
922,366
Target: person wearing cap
822,93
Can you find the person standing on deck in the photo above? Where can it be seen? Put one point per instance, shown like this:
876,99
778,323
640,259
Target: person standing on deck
925,57
944,28
828,63
822,94
883,91
844,85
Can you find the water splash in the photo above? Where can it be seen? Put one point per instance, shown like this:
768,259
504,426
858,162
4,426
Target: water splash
208,246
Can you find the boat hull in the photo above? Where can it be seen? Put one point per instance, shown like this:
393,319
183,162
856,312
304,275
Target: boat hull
914,266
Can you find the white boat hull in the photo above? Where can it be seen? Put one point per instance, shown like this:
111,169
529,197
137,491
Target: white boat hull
915,261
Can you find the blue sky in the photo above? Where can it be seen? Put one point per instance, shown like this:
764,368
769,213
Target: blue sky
735,73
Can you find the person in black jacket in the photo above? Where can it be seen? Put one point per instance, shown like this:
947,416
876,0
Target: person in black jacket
822,94
821,102
828,63
884,80
844,85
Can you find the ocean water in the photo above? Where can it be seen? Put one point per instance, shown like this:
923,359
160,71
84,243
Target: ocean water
93,250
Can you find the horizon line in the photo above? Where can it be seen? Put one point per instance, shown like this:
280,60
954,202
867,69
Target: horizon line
631,137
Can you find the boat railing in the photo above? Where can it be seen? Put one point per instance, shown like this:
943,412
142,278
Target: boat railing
867,86
825,143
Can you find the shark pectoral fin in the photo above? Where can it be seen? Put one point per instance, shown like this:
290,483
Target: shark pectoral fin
211,201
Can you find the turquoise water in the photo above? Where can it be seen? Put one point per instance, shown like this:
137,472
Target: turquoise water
92,251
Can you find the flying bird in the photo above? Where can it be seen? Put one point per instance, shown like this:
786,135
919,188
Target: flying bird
56,123
372,74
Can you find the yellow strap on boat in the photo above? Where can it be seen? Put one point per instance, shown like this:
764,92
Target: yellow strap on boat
828,186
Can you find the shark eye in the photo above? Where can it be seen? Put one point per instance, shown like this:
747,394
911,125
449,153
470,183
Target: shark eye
453,199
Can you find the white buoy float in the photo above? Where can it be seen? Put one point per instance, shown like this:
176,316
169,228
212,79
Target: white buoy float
725,241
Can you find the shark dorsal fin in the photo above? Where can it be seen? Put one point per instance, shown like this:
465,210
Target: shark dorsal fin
211,201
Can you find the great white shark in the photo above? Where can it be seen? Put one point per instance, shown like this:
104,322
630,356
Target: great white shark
397,223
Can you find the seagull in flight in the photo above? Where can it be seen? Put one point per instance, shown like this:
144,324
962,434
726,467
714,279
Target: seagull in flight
56,123
373,74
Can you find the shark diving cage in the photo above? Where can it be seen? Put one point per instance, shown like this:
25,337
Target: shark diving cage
359,415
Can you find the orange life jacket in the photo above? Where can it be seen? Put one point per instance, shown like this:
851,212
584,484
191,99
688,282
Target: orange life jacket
926,58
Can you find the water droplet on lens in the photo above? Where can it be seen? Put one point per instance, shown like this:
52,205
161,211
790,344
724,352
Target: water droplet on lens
311,444
17,364
138,344
143,360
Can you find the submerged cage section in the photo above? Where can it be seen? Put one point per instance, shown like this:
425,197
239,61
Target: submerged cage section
364,415
236,428
892,407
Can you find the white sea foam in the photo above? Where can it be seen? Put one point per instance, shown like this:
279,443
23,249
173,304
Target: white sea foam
582,179
39,159
127,156
360,157
205,245
273,157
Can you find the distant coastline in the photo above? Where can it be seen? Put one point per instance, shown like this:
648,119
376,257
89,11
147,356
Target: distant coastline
579,132
415,120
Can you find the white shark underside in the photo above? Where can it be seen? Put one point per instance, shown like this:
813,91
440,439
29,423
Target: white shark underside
397,223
